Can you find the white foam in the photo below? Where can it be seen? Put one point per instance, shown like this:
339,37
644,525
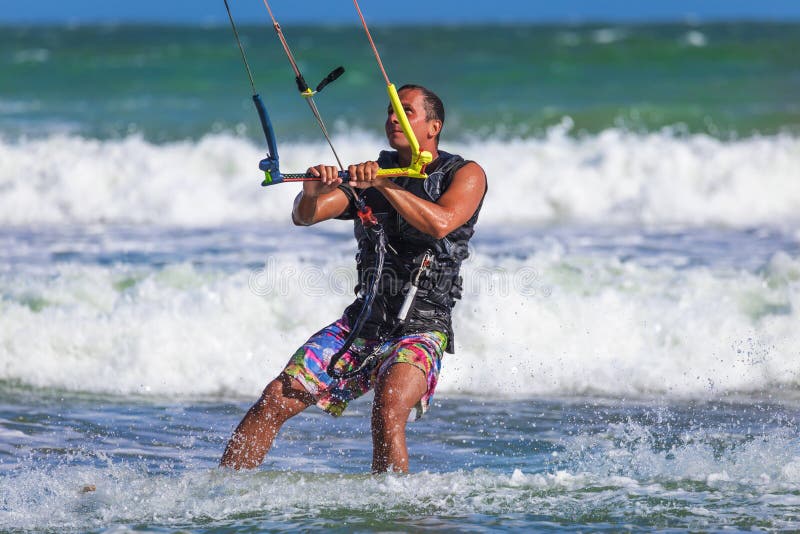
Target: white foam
695,38
608,35
33,55
549,324
622,329
128,493
637,452
615,176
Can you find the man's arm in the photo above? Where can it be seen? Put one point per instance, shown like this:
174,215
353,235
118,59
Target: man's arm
319,201
436,219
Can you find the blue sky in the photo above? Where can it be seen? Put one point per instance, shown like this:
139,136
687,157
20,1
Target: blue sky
385,12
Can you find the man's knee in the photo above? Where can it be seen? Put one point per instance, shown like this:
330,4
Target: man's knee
268,404
396,395
390,415
282,399
402,384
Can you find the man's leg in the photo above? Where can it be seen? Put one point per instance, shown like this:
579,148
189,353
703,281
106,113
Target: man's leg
282,399
397,392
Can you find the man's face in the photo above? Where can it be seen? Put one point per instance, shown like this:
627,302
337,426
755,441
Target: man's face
413,102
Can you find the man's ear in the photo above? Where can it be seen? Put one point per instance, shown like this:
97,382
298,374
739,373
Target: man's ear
434,128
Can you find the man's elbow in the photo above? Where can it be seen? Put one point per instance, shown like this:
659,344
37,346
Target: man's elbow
440,231
300,222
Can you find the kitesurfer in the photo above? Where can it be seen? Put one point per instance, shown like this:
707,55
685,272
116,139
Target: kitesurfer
427,225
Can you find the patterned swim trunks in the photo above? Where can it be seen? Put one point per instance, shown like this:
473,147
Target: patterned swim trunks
308,365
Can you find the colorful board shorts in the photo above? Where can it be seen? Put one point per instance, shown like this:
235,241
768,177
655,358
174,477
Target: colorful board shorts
308,365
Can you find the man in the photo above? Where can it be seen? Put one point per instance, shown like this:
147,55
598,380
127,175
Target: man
437,216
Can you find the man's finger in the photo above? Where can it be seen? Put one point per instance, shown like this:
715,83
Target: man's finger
331,173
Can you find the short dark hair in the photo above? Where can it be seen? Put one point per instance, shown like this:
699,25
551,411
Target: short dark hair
434,108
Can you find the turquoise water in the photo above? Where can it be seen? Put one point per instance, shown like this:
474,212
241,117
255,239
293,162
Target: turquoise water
643,398
561,464
627,345
182,82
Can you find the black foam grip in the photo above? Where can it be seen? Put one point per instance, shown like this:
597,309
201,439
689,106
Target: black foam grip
335,73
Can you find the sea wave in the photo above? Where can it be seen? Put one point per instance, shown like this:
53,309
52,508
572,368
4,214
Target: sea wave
661,178
703,486
552,323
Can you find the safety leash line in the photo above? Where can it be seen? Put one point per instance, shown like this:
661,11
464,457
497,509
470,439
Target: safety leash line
303,87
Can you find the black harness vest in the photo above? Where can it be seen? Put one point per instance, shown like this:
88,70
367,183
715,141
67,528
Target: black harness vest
441,285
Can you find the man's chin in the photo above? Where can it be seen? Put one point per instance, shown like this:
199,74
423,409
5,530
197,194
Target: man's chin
398,141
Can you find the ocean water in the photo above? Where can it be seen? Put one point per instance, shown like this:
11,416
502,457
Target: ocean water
628,356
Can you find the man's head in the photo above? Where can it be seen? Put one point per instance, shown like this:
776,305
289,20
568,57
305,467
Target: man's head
425,113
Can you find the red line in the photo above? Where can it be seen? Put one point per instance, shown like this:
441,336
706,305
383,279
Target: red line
371,42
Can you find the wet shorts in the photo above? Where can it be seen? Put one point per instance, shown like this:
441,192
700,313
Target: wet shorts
308,365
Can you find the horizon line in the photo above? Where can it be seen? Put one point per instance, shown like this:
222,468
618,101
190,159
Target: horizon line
569,21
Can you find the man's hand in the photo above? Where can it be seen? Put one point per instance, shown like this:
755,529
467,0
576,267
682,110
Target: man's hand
316,203
365,175
329,181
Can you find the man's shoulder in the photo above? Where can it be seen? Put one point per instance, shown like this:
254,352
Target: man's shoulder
455,166
471,167
470,175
